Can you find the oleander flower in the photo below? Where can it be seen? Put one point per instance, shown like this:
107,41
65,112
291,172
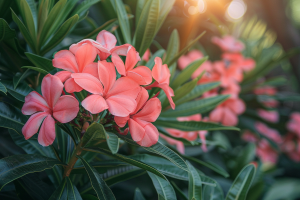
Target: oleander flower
46,109
269,115
268,132
228,44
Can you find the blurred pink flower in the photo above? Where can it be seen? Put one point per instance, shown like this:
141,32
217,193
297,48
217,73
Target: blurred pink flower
248,136
146,55
266,153
228,44
271,116
171,141
268,132
293,124
246,64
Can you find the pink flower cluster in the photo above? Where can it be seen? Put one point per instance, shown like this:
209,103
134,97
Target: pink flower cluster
125,98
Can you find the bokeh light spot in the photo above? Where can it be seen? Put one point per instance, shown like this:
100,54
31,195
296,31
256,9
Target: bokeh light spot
236,9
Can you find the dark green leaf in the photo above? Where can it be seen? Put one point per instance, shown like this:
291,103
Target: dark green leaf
5,31
36,69
3,88
61,192
112,142
40,62
213,193
14,167
138,11
73,193
19,77
94,132
163,188
178,191
241,184
28,14
99,185
20,92
165,8
138,195
184,90
89,197
173,46
127,175
195,185
84,6
284,188
106,26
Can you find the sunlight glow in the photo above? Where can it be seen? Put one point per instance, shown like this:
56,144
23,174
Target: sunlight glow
236,9
200,8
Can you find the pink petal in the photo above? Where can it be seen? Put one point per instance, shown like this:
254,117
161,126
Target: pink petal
161,73
183,62
142,75
202,135
91,69
238,107
169,93
63,75
32,125
131,59
121,121
66,109
141,99
88,82
124,86
121,105
47,132
52,88
34,102
64,59
118,62
106,39
107,74
123,50
85,55
150,111
146,55
94,103
229,118
71,86
216,115
136,130
151,136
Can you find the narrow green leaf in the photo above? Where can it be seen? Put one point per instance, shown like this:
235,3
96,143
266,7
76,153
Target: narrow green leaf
138,195
14,167
165,8
112,142
178,191
194,107
28,14
193,125
61,192
283,188
99,185
3,88
183,90
186,74
40,62
139,8
60,34
185,49
36,69
94,132
163,188
241,184
195,185
73,193
5,31
84,6
19,77
159,53
127,160
213,193
173,46
121,177
106,26
20,92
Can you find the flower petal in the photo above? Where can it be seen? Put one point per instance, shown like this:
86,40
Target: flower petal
142,75
161,73
66,109
34,102
88,82
71,86
85,55
124,86
151,136
121,105
169,93
32,125
229,118
63,75
141,99
118,62
131,59
47,132
136,130
91,69
121,121
107,74
150,111
52,88
64,59
216,115
94,103
106,39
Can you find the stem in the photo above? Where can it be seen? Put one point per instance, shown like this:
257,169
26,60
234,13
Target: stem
73,160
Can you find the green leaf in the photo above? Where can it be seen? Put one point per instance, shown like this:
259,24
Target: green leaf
84,6
99,185
127,160
61,192
193,125
73,193
20,92
60,34
121,177
185,49
284,188
23,30
106,26
165,8
213,193
198,91
14,167
159,53
241,184
161,150
187,72
163,188
28,14
40,62
184,90
19,77
123,20
138,195
89,197
94,132
194,107
138,11
112,142
146,28
195,185
5,31
3,88
245,156
36,69
173,46
178,191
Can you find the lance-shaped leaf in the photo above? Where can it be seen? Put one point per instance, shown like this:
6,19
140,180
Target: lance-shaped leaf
14,167
138,195
73,193
138,11
164,9
3,88
127,160
106,26
84,6
42,71
20,92
20,76
241,184
193,125
112,142
195,185
163,187
61,192
178,191
94,132
99,185
173,46
40,62
28,14
213,193
5,31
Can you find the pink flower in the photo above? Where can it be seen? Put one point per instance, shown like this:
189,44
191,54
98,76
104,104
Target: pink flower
50,105
227,112
179,145
146,55
268,132
228,44
161,75
291,146
105,41
229,74
266,90
293,124
248,136
118,96
271,116
82,61
141,129
140,74
190,57
246,64
266,153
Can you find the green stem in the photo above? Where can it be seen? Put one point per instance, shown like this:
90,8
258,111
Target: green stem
73,160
